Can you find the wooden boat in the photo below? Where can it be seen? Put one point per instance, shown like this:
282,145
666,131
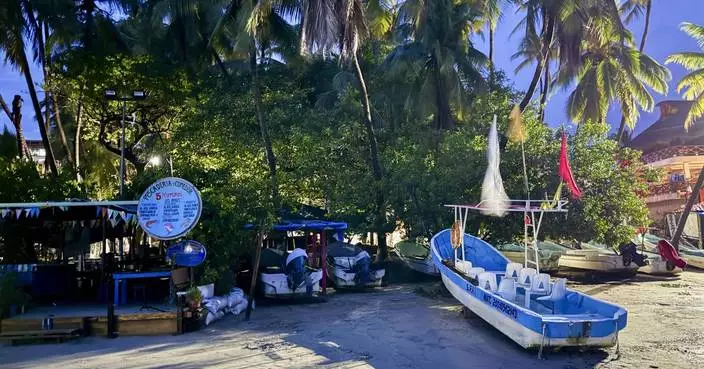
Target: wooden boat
351,267
416,256
549,254
285,275
562,317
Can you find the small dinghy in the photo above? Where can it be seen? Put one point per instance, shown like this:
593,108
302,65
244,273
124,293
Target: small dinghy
416,255
286,275
692,255
549,254
351,267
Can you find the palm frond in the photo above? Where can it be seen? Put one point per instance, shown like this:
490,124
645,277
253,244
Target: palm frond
689,60
695,112
695,31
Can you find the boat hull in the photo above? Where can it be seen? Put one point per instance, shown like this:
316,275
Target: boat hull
580,320
595,261
425,266
345,279
275,285
520,334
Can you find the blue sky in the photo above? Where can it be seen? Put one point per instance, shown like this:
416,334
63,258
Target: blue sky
664,39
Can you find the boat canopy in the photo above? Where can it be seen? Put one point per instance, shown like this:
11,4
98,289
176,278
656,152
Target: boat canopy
306,225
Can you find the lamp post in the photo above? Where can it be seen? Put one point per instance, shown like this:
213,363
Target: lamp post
156,161
112,95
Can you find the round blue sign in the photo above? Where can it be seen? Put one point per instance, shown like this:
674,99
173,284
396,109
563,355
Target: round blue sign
186,253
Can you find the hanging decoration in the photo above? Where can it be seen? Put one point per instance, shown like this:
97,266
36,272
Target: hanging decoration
565,171
494,198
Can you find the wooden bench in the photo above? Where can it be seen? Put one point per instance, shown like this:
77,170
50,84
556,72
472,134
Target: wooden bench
55,334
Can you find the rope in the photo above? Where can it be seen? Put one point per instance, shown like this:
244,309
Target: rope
618,344
542,343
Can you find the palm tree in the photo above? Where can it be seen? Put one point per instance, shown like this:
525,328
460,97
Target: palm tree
14,28
612,71
566,24
342,24
440,55
693,86
633,9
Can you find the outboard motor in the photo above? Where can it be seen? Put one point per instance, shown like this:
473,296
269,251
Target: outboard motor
295,268
629,254
361,267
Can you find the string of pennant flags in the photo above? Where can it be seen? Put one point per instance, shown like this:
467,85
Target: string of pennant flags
102,213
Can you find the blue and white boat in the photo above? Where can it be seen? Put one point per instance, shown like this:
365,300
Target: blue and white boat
533,317
518,300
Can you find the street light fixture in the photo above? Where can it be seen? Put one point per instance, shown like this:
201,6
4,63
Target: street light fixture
112,95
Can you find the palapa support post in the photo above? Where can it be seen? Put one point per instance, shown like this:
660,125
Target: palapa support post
255,272
324,261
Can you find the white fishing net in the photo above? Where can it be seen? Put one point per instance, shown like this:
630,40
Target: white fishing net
494,198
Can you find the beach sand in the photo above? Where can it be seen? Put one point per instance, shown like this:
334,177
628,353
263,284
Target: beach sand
401,326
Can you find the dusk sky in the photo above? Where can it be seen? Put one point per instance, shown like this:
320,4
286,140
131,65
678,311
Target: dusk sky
664,38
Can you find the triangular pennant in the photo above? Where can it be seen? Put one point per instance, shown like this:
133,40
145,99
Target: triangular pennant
18,213
27,211
104,212
4,212
113,222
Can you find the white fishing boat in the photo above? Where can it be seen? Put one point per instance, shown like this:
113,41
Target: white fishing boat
416,255
285,275
595,259
351,267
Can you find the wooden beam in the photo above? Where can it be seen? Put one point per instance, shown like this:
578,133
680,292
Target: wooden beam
255,272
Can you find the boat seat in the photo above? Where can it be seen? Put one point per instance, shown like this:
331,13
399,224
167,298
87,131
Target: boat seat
541,284
474,272
507,289
487,281
463,266
513,270
526,276
558,292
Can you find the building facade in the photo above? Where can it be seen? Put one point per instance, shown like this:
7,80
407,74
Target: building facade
677,152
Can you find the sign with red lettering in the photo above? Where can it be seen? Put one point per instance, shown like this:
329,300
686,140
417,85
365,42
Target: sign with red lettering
169,208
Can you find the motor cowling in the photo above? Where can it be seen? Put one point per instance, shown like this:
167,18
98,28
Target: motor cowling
295,268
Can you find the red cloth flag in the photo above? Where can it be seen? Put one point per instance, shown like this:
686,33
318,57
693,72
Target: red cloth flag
566,172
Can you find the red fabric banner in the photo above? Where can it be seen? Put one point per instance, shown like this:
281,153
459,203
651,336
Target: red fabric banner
565,171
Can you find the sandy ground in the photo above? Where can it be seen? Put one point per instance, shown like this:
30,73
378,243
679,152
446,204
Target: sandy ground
406,326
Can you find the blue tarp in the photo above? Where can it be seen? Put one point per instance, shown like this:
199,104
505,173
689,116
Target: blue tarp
306,225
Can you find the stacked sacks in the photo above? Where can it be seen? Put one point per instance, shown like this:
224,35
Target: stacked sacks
233,303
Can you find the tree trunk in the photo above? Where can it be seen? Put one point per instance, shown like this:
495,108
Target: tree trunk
24,66
491,56
49,90
688,208
648,9
545,52
15,116
377,170
77,136
545,91
266,139
442,118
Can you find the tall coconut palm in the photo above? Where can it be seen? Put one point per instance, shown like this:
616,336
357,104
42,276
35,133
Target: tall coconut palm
440,55
631,10
612,71
693,86
566,24
342,24
14,29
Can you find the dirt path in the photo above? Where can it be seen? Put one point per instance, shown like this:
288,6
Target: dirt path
395,328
